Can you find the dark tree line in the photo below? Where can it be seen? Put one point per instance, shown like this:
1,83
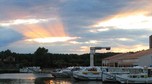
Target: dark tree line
41,57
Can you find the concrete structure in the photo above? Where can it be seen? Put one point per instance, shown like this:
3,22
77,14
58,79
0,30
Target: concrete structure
92,52
150,42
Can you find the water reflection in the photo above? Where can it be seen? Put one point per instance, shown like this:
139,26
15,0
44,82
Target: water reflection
52,81
46,81
65,81
29,78
16,81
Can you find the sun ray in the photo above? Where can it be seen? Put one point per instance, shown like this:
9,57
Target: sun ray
46,33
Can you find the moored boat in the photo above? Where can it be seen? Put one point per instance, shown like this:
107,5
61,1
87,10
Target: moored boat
33,69
88,73
64,73
134,78
133,75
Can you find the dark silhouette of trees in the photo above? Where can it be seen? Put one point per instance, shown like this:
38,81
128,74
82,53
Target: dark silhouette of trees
41,51
42,58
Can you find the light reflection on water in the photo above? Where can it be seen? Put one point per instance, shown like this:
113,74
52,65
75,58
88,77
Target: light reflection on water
57,81
29,78
70,81
46,81
16,81
23,75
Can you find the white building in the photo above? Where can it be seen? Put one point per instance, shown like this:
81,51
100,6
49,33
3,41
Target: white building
141,58
145,60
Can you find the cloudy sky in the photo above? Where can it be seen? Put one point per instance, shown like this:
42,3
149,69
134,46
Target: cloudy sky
72,26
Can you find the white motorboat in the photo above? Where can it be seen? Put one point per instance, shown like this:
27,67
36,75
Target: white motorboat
33,69
134,78
62,73
88,73
129,75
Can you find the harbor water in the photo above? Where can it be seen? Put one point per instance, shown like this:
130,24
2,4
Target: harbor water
30,78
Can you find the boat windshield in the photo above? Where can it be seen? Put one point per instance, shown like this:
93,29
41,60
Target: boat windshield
138,76
92,69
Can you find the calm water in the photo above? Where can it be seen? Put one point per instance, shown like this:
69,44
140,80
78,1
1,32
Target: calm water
44,81
29,78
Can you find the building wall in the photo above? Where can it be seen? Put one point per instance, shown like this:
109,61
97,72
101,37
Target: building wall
105,62
129,60
145,60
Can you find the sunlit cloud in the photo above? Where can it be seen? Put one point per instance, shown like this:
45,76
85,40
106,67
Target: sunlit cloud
92,42
124,39
129,17
51,39
47,33
85,48
23,21
85,42
128,22
74,42
98,30
126,48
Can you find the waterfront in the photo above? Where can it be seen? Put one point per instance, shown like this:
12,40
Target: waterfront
30,78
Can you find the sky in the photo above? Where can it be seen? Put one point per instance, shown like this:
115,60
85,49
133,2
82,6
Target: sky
73,26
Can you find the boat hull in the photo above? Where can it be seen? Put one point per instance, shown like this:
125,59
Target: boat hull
60,75
87,78
138,79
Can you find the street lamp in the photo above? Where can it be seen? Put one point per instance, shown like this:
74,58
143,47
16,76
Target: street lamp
92,52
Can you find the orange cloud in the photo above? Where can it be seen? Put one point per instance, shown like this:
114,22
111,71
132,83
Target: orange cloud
123,48
35,31
45,33
22,21
133,16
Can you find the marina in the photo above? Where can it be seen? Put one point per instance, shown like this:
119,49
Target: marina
77,74
87,75
113,74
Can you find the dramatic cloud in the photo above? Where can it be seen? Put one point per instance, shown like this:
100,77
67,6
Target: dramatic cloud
22,21
72,26
51,39
134,18
138,21
8,36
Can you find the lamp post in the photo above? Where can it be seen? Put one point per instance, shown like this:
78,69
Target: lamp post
92,52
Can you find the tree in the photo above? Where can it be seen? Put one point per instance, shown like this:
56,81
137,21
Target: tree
41,51
40,56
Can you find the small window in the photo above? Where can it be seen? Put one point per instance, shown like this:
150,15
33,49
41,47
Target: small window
130,76
92,69
134,76
142,76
